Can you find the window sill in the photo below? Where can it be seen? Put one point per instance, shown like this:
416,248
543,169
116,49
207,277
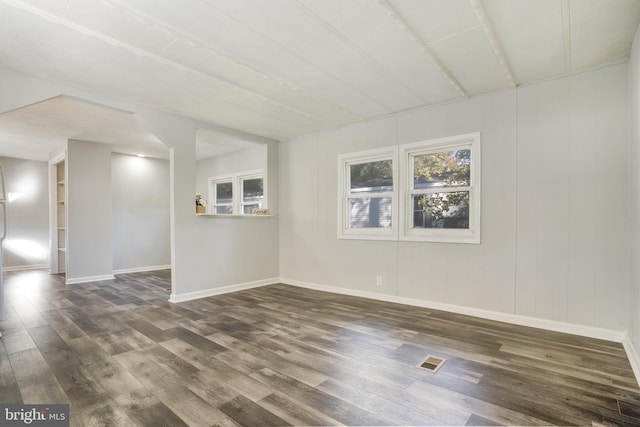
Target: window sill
233,216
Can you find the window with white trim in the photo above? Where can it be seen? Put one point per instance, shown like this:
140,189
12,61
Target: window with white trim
238,194
441,190
438,188
368,195
222,196
252,193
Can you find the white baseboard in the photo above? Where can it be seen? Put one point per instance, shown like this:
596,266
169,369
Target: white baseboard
551,325
142,269
74,280
222,290
26,267
633,356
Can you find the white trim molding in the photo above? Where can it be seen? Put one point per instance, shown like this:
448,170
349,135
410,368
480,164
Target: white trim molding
142,269
176,298
550,325
345,195
633,356
87,279
61,155
408,153
403,191
237,192
26,267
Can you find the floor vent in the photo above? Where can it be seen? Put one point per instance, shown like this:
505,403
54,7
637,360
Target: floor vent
432,363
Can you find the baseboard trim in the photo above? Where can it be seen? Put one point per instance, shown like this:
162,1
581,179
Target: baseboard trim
633,356
87,279
142,269
176,298
26,267
550,325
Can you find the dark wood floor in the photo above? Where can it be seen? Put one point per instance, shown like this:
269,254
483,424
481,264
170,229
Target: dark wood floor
120,354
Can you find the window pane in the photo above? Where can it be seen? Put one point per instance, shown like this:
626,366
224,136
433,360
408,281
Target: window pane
224,210
372,177
374,212
248,209
252,190
444,169
224,192
441,210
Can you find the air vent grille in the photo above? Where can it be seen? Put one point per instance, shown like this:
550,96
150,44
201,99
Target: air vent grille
432,363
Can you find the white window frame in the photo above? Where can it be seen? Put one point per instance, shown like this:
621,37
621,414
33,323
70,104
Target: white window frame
213,183
401,196
257,174
469,141
344,195
236,180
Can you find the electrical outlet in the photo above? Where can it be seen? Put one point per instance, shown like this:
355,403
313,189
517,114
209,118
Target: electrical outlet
379,280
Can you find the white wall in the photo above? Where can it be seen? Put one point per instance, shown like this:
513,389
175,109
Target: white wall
213,254
210,254
140,221
554,221
573,175
89,249
27,242
140,206
634,294
207,255
234,251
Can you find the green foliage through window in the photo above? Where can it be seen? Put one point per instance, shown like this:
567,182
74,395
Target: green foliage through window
372,176
441,210
441,170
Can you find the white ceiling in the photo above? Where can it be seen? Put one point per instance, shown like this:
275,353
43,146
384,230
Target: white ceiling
35,131
284,68
210,143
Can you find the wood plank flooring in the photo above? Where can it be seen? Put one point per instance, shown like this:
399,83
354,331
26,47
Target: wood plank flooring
120,355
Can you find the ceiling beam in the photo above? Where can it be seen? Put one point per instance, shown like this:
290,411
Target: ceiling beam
490,33
422,46
363,54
